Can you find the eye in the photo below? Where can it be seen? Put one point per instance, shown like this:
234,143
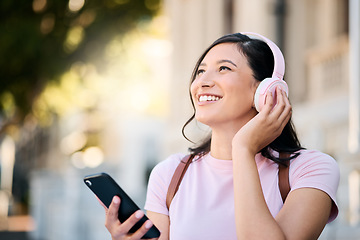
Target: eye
224,68
199,71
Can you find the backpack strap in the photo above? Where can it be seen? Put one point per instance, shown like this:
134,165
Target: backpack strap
284,184
283,174
177,177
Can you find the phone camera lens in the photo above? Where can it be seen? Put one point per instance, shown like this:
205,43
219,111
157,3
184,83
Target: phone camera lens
88,182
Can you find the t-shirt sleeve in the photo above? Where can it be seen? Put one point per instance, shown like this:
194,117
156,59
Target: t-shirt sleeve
314,169
158,185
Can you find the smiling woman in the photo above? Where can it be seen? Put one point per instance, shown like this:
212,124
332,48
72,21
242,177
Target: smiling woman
230,186
255,60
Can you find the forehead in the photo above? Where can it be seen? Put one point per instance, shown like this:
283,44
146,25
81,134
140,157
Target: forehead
225,51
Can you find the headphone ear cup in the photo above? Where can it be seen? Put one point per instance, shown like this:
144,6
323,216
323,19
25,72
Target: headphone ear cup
266,85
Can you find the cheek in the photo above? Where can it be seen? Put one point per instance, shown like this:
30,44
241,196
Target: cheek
243,95
193,89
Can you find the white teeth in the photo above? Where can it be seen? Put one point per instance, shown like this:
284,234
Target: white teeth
205,98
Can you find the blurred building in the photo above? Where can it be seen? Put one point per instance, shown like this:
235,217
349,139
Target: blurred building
320,42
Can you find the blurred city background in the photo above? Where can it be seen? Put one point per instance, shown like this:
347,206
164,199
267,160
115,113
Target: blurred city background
102,86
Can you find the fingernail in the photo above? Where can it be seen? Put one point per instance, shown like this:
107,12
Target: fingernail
148,224
116,200
139,214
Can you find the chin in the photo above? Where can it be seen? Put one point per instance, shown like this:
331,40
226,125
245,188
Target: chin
207,120
202,119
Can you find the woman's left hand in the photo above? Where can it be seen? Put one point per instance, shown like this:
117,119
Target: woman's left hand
266,126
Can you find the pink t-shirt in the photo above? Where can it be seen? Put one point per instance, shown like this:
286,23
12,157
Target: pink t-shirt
203,207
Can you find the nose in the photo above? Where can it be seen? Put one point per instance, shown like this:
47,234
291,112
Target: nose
207,80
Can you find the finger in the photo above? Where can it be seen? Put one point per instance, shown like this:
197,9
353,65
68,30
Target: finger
279,98
282,107
112,213
123,229
269,103
141,231
132,220
286,113
282,112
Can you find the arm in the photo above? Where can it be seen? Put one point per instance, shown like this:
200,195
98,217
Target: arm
305,211
162,222
158,186
251,211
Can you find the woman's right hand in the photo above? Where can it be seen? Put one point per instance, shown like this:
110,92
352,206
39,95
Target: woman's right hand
120,231
266,126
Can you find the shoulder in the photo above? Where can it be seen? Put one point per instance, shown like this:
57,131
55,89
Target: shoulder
170,163
158,184
166,168
314,163
314,159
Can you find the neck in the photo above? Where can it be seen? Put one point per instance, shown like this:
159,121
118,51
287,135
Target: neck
221,147
222,136
221,141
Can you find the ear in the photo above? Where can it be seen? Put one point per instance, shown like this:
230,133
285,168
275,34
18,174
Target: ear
253,90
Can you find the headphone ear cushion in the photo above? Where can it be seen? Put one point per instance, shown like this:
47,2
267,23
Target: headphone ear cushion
266,85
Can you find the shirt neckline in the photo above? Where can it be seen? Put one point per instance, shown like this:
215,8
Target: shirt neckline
226,165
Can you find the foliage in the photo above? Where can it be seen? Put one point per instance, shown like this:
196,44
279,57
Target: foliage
41,39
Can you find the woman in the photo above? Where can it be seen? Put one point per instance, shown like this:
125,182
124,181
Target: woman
230,190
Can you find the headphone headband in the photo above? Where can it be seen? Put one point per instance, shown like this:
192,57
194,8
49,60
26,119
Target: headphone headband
279,62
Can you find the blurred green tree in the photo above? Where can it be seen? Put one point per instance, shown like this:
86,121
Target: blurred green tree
41,39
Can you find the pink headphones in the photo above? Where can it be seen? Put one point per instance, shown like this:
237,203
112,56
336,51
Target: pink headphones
270,84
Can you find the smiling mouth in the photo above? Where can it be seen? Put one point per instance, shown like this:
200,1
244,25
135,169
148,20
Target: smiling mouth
208,98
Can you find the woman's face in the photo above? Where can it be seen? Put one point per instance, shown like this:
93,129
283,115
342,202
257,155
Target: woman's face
224,88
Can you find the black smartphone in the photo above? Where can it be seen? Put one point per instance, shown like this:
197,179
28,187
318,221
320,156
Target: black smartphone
105,188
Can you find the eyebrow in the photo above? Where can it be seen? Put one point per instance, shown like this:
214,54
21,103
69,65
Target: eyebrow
221,61
228,61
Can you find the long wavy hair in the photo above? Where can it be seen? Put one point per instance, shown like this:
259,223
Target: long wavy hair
261,60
